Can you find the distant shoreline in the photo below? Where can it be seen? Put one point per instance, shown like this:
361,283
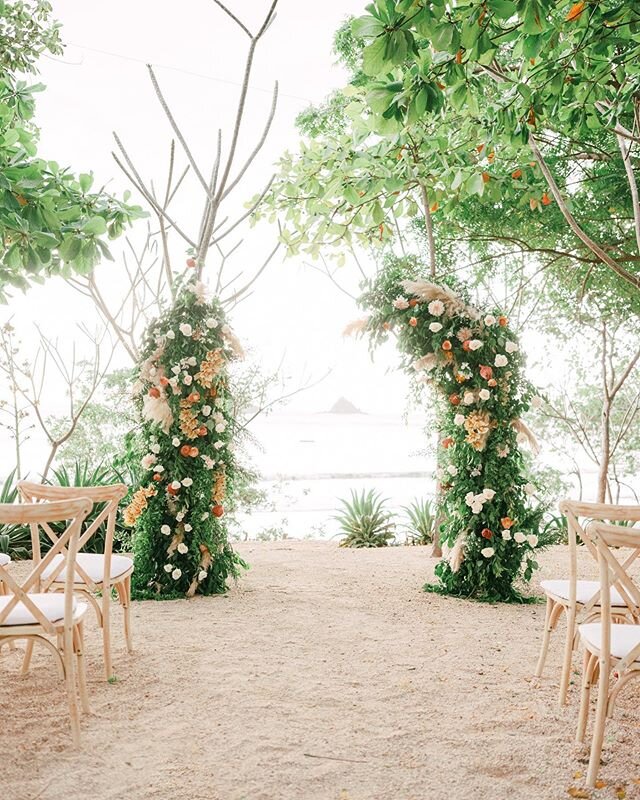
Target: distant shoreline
331,476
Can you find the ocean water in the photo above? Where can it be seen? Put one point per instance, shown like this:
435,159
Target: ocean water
308,462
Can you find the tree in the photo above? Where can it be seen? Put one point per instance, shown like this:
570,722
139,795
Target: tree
50,220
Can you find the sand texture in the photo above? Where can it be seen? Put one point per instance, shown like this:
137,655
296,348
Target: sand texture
326,674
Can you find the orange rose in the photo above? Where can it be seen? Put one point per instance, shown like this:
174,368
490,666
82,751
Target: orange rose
466,346
492,382
171,490
164,381
193,397
202,431
217,511
454,399
185,450
446,443
413,322
193,452
448,355
506,522
486,372
157,477
503,322
154,392
460,378
413,303
486,533
446,345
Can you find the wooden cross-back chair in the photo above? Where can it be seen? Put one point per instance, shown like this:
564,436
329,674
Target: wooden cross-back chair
96,573
610,645
28,611
579,600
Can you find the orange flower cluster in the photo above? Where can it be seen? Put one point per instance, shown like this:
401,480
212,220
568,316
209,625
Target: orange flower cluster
219,487
210,368
137,505
478,426
188,420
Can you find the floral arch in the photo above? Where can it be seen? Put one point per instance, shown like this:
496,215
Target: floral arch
490,519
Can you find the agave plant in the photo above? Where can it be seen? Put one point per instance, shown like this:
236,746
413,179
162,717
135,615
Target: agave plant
15,540
420,521
364,521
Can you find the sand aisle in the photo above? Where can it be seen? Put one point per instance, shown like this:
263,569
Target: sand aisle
325,675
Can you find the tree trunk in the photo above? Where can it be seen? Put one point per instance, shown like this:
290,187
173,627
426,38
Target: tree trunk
605,450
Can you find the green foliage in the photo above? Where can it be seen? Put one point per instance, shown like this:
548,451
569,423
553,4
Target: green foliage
365,521
50,220
421,517
475,362
185,405
15,540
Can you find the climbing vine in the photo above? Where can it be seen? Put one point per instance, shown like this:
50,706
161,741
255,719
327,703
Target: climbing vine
490,518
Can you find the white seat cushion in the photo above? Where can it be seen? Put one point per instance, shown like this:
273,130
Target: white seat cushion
50,603
93,565
4,560
623,637
584,591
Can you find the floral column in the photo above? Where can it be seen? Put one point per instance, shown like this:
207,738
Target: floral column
187,427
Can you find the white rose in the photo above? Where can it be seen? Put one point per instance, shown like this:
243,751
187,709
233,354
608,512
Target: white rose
219,402
506,534
180,516
475,344
204,516
434,327
221,427
489,320
452,470
175,370
459,419
401,303
155,448
182,548
519,537
187,379
211,323
187,528
469,398
175,441
532,540
484,394
158,468
187,481
511,347
148,461
206,410
171,335
501,360
476,508
202,574
487,552
175,484
469,498
192,361
218,445
529,488
186,329
436,308
168,567
165,529
489,493
176,574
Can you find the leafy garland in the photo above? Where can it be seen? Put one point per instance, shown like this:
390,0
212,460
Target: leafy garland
188,468
490,520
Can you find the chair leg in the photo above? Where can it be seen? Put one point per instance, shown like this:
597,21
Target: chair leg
124,592
78,634
588,666
106,630
70,681
568,653
545,638
26,661
598,725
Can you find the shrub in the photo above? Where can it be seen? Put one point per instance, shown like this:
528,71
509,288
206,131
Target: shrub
364,521
420,522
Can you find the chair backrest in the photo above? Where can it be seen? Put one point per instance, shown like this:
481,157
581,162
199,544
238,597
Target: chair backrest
66,544
579,515
617,549
110,495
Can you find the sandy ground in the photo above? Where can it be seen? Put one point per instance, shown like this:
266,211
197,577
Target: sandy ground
326,674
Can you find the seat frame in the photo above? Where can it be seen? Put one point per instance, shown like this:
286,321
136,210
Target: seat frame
111,496
598,663
68,633
577,613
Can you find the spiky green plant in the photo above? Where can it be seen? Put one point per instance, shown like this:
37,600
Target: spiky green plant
15,540
420,522
364,520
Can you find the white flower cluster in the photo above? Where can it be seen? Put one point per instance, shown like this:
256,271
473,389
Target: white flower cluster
520,538
401,303
476,501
